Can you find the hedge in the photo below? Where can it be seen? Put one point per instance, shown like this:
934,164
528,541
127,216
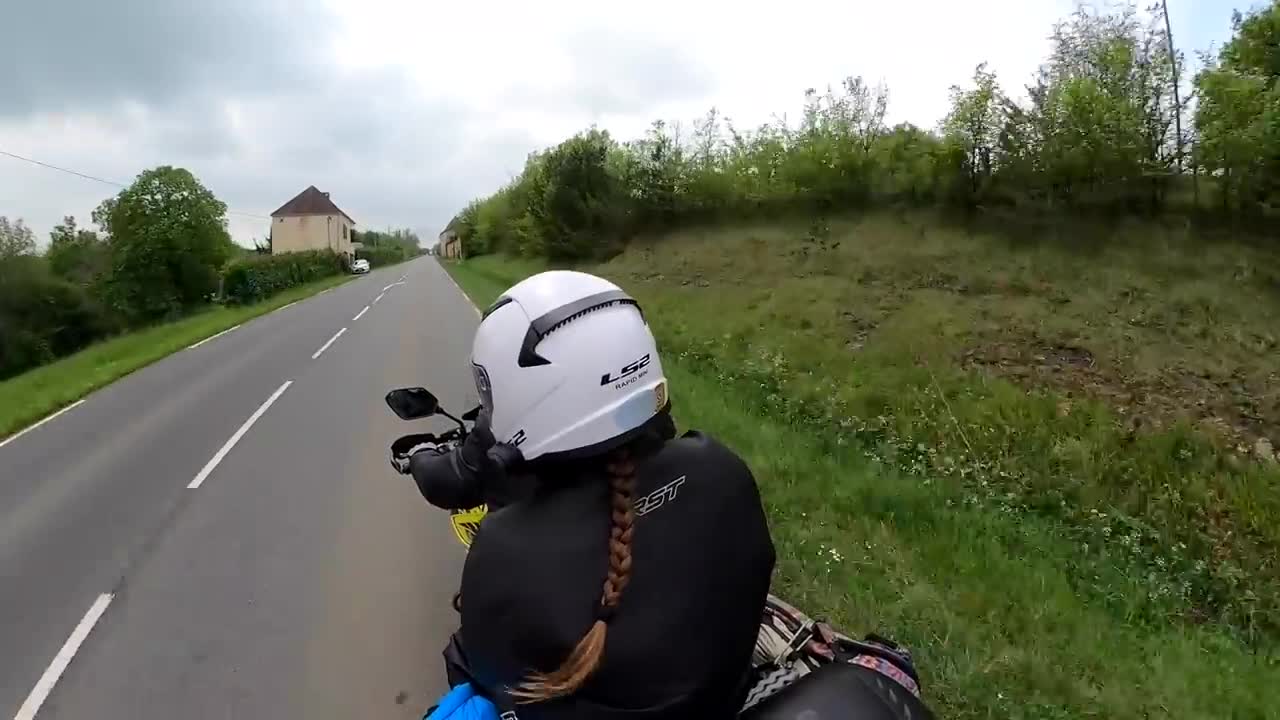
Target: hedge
381,255
249,280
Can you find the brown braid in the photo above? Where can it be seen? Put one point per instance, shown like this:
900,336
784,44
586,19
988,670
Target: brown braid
585,658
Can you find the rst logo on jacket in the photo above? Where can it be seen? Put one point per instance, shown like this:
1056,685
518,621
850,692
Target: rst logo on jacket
627,371
659,497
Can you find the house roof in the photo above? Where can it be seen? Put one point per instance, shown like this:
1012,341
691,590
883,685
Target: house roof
310,202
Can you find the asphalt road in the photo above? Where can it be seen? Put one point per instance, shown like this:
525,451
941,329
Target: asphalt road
174,561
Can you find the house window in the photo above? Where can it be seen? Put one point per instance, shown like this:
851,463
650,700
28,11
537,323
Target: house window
344,232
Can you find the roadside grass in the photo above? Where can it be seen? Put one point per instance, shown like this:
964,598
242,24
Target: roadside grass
1117,387
28,397
1044,555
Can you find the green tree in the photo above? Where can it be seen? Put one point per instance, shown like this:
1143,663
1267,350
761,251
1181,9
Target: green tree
1238,116
906,164
263,247
653,170
972,132
78,254
828,161
1101,127
578,209
168,240
15,238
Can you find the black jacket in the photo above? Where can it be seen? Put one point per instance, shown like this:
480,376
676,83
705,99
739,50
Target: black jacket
680,642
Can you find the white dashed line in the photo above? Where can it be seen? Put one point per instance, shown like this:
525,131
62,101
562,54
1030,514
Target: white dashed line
45,684
195,345
375,300
360,314
37,424
226,448
326,345
285,307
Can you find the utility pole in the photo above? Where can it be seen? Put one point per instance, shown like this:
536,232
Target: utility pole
1177,104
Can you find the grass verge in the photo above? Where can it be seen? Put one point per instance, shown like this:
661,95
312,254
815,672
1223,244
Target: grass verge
26,398
1013,610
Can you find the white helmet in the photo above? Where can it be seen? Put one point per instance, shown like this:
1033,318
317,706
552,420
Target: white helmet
566,366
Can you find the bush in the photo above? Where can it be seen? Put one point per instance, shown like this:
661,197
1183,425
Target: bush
250,279
43,317
383,255
567,203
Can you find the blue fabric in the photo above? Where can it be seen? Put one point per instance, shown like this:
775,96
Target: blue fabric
463,703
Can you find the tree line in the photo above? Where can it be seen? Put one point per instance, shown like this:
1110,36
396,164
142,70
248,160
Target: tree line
386,247
162,251
162,242
1105,128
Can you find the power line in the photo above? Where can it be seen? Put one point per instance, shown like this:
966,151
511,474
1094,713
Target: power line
61,169
104,182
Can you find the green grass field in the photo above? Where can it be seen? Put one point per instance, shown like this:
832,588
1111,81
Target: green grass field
1038,465
36,393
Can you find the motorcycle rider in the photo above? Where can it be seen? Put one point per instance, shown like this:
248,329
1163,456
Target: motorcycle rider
628,574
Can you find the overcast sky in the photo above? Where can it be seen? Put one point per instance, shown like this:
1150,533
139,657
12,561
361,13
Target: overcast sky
403,111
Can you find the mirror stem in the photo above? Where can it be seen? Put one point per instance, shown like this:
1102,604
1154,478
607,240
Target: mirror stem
461,427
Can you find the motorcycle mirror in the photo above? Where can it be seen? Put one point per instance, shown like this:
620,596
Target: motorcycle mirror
471,414
412,403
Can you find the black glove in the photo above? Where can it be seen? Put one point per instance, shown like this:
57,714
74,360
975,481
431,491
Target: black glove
468,475
452,477
473,455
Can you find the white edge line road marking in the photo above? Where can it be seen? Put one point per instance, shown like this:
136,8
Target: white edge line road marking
360,314
326,345
464,294
375,300
45,684
226,448
322,292
38,423
195,345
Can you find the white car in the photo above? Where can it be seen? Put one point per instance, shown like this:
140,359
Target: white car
360,266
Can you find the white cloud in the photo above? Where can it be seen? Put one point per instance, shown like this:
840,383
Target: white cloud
405,111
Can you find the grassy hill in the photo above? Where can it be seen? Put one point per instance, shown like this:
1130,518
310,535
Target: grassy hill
1045,465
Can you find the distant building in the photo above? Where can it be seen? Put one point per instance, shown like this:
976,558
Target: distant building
450,244
311,221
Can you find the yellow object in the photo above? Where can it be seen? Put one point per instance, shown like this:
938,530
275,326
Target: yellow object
467,522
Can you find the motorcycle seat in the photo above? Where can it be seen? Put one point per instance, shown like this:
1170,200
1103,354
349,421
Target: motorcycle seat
841,691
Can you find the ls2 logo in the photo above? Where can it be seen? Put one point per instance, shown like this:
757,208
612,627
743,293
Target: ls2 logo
627,370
